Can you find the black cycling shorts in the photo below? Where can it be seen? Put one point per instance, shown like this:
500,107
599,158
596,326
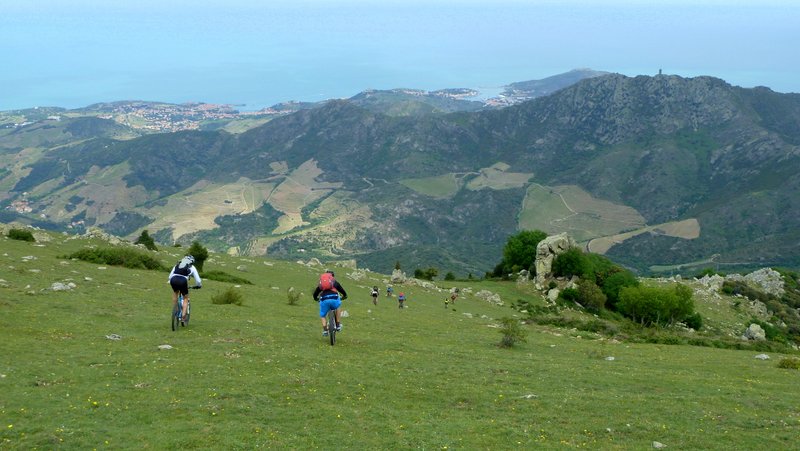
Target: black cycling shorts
179,283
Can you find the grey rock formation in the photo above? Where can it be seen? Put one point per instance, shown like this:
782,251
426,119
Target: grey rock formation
754,332
546,252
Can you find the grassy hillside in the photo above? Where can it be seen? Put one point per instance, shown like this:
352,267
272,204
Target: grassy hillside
260,374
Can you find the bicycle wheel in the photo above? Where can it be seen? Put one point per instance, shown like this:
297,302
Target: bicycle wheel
176,315
332,326
188,313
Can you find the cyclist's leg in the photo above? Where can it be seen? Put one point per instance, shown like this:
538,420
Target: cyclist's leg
185,304
323,312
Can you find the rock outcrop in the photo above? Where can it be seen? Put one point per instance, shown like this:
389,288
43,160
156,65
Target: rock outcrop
546,252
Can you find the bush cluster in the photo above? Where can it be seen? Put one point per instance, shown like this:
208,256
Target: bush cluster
656,305
21,235
125,257
221,276
512,331
789,363
519,253
229,296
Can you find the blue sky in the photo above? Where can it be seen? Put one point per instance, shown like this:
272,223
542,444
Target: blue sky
75,52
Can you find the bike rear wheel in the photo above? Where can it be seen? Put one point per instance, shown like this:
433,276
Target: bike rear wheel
188,314
332,326
176,312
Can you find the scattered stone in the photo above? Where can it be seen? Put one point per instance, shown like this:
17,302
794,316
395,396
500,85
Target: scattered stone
358,274
102,268
242,268
468,315
164,347
489,297
529,396
552,295
28,258
762,357
59,286
113,337
610,358
345,314
88,279
659,445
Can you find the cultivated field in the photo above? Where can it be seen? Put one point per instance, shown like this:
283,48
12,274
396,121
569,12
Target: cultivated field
568,208
496,177
687,229
85,369
196,208
441,186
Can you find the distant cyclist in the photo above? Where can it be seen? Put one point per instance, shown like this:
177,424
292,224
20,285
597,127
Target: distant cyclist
401,298
375,295
389,291
329,294
179,281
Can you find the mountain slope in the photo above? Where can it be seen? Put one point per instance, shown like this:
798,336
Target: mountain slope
348,182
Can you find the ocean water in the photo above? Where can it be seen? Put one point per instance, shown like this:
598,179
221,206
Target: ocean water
72,53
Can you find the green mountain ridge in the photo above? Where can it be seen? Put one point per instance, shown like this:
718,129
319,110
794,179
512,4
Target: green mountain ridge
669,148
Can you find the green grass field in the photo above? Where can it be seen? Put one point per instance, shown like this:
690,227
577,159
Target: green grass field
262,376
441,186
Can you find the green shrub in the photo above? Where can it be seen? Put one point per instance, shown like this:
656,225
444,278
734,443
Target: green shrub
655,305
519,251
569,295
146,240
292,296
221,276
789,363
199,253
125,257
614,283
590,296
426,274
229,296
21,235
449,276
512,331
552,284
571,262
695,321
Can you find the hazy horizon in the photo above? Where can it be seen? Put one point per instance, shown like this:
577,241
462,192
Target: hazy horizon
72,54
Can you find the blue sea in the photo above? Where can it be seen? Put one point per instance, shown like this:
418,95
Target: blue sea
72,53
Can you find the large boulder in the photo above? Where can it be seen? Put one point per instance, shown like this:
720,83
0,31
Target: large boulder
398,276
755,333
765,279
546,252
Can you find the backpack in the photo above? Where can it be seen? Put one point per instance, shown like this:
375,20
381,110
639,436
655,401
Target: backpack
327,282
186,270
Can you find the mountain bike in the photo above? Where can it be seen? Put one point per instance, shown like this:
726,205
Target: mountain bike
176,311
331,318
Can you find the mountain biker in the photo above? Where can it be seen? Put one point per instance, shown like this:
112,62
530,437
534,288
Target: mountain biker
375,295
401,298
330,298
389,290
179,281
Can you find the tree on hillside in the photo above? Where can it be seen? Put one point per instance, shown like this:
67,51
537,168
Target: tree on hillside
520,252
199,253
572,262
146,240
426,274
